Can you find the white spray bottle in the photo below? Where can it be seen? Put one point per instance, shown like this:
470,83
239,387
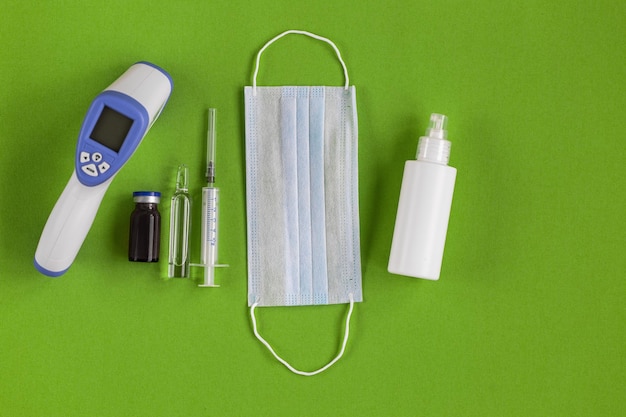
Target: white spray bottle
424,208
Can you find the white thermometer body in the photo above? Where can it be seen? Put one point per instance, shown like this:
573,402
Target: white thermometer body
115,124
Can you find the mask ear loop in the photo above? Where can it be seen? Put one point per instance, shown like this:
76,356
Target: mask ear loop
299,32
284,362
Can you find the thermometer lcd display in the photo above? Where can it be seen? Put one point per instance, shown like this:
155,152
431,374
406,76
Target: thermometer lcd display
111,129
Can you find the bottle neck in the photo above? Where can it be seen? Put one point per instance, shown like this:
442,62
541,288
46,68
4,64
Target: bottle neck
146,206
433,149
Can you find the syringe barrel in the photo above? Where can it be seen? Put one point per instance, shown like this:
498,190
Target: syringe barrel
210,214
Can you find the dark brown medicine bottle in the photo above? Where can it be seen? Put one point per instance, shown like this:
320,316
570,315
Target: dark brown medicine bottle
145,227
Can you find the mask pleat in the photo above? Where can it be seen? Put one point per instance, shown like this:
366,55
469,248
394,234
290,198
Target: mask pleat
318,198
290,209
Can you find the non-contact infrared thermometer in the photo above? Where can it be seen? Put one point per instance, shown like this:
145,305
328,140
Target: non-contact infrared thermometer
113,128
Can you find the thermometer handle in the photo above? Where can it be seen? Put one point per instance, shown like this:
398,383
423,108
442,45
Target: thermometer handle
68,225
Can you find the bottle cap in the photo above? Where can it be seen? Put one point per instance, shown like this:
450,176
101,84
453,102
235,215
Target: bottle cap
434,147
147,197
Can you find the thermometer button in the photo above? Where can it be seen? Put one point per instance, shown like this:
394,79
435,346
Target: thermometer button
103,167
90,170
96,157
84,157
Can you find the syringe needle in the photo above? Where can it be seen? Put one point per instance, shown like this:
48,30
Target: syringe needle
210,149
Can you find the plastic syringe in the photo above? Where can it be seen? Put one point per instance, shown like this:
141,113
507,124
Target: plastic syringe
210,212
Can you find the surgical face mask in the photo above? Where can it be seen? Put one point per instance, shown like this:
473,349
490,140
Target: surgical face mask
302,196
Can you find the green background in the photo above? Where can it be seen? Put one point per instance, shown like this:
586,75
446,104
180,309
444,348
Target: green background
528,318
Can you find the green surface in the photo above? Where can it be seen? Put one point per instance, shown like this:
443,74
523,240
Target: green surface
528,318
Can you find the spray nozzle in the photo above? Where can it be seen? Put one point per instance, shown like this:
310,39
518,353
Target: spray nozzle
437,128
